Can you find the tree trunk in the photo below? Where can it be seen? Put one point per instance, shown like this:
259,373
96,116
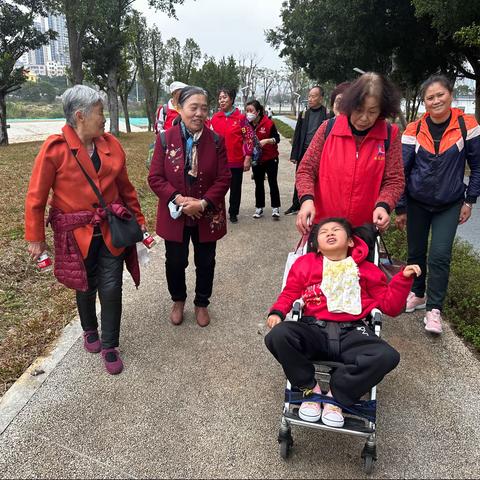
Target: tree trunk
75,49
112,94
124,99
3,120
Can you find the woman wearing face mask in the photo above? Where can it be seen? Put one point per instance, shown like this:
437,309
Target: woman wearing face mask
436,201
354,170
267,134
189,174
233,126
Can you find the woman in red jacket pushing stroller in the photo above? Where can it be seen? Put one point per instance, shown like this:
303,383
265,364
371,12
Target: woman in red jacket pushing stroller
339,289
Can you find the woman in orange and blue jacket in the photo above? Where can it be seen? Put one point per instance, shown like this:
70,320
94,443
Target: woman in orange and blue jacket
435,149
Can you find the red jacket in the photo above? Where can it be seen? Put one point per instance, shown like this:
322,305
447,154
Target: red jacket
347,180
305,278
164,117
264,130
167,177
56,169
238,135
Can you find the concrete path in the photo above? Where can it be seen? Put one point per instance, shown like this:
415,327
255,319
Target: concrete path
206,403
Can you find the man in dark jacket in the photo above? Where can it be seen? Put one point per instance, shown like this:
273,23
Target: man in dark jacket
304,131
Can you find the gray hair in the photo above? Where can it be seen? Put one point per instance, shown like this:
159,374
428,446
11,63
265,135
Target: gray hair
187,92
79,98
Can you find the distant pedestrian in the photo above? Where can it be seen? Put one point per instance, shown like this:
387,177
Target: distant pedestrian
268,136
85,258
304,132
231,124
190,176
167,113
435,151
269,112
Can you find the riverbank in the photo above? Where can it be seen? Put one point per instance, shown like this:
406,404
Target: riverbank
27,130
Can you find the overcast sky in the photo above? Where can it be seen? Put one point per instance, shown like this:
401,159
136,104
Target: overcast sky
222,27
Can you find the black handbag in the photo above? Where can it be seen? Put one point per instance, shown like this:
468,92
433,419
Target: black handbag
124,231
390,267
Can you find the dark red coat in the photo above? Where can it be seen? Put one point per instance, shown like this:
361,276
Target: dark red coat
167,177
305,279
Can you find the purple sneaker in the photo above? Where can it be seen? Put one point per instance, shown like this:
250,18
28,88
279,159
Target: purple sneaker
91,342
111,359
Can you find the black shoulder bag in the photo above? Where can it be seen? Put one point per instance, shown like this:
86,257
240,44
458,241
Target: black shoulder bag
125,231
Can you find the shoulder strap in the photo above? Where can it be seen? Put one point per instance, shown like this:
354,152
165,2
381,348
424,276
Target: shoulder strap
165,108
330,124
90,181
419,124
389,136
163,140
463,128
216,138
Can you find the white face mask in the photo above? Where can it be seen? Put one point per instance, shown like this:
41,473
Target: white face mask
251,117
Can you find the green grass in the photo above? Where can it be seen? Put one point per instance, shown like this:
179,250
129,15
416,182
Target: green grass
34,307
462,304
284,129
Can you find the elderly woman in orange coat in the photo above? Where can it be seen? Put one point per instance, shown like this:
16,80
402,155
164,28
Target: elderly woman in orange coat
85,258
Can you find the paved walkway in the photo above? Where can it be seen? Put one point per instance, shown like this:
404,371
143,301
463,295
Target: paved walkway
206,403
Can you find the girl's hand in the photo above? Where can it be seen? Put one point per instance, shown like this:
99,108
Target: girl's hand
35,249
273,320
410,270
401,221
465,213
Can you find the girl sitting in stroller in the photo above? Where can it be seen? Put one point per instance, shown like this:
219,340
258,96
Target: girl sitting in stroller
339,288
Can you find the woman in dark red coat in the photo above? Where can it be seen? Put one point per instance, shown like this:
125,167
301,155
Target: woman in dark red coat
190,176
268,137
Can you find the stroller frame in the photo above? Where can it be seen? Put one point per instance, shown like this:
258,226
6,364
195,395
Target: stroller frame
354,425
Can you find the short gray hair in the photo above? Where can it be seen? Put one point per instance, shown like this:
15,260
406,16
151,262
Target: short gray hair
189,91
79,98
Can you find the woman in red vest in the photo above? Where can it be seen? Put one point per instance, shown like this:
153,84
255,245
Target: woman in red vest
355,170
268,136
233,126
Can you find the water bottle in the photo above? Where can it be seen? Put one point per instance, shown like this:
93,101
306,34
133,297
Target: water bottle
44,262
143,254
148,240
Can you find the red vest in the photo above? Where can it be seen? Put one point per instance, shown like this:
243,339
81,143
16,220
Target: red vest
264,130
349,180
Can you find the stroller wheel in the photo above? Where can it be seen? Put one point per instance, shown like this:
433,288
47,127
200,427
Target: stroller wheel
285,446
368,464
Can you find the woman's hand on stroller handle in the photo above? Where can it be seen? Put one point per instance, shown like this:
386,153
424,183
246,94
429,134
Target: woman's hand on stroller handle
305,217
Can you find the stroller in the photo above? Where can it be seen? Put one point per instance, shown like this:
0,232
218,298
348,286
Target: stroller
360,419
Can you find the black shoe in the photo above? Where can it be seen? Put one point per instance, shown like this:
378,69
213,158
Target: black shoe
233,218
291,211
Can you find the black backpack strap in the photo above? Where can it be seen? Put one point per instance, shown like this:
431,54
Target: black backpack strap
216,137
164,111
419,124
330,124
463,128
163,140
389,136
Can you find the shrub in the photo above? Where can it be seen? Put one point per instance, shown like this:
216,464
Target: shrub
284,129
462,305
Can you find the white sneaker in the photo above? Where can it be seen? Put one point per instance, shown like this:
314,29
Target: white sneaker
258,213
276,213
332,416
310,411
433,321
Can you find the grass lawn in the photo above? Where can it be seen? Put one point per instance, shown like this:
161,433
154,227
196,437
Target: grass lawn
33,306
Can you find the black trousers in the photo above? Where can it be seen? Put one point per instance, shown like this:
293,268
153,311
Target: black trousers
271,169
176,261
366,358
442,226
105,275
235,191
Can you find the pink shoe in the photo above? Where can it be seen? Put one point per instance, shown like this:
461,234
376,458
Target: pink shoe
311,411
433,321
91,342
414,303
111,359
